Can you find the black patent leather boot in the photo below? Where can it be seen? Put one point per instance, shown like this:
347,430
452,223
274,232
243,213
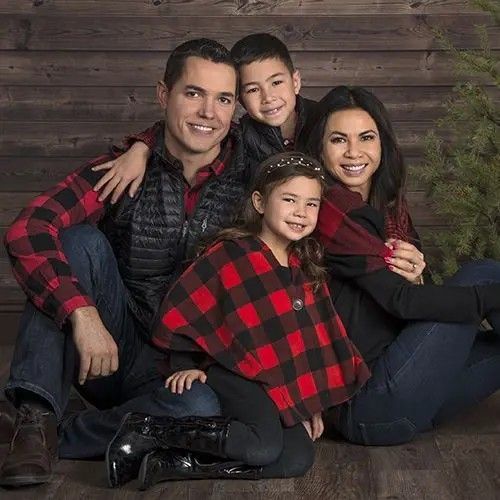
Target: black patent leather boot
124,454
139,434
164,465
200,434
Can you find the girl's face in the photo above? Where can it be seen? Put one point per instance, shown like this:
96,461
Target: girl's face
290,211
352,149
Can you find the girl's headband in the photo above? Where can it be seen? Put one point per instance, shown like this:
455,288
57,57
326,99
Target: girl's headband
297,160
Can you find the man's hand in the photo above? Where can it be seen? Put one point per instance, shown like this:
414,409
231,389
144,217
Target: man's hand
183,379
95,345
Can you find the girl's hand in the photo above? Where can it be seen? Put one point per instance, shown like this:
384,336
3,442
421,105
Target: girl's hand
315,426
407,260
127,169
184,379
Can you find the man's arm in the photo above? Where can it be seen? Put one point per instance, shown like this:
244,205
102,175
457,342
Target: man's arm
34,247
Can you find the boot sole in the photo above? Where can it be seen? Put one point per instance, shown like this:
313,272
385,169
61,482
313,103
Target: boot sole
24,480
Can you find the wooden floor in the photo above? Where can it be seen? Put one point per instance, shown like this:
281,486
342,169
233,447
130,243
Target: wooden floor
461,461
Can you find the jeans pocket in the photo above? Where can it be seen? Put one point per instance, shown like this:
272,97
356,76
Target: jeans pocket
387,433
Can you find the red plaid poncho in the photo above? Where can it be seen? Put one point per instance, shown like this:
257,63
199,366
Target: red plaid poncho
262,321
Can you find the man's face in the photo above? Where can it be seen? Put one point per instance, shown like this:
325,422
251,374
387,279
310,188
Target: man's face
198,107
269,91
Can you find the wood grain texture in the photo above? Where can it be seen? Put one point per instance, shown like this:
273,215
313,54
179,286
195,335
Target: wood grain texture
88,139
467,467
318,69
320,33
131,104
153,8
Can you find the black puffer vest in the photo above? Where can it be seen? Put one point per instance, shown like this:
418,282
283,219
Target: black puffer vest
262,141
153,240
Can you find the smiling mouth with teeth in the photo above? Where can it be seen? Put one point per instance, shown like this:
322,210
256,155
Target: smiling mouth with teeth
202,128
296,226
354,169
272,111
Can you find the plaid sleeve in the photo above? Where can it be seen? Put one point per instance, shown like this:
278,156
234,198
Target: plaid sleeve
34,246
147,136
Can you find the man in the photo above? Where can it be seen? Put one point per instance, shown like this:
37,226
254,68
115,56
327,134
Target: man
94,295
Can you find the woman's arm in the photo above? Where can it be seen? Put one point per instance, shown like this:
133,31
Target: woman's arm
402,299
429,302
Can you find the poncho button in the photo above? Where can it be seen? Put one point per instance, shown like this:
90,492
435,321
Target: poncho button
297,304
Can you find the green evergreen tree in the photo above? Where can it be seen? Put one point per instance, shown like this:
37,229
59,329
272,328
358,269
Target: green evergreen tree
462,175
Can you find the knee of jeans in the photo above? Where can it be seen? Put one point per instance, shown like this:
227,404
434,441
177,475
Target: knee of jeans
475,272
83,240
199,401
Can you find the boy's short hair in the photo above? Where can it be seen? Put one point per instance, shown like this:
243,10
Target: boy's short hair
205,48
260,46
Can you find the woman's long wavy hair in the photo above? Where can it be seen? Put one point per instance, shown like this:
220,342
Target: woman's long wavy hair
271,173
388,182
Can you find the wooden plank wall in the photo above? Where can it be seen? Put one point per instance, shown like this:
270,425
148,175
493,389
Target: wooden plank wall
77,75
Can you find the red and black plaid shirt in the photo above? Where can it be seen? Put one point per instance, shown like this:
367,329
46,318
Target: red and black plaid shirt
33,240
350,249
263,321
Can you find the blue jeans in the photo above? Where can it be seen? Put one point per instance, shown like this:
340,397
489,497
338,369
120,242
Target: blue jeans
46,362
430,373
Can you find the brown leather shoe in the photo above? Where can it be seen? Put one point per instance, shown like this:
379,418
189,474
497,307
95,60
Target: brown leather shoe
6,428
33,448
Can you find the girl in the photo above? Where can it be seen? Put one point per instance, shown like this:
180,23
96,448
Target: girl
422,343
257,314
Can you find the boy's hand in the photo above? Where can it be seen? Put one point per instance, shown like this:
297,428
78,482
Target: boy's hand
127,169
184,379
407,260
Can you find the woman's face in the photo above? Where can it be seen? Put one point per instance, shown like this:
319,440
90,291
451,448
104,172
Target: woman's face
352,149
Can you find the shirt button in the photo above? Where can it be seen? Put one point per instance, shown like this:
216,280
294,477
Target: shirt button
297,304
286,142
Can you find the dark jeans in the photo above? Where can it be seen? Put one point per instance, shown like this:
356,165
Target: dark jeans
46,362
431,372
256,435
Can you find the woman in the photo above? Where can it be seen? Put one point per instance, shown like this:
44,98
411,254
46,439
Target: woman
428,359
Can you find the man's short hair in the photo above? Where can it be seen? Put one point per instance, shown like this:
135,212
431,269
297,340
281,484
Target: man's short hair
207,49
260,46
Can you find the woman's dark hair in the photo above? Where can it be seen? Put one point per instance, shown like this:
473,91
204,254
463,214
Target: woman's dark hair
273,172
388,182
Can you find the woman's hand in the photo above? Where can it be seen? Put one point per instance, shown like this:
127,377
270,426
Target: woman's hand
184,379
127,170
407,260
315,426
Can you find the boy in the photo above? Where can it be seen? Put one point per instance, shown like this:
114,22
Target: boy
269,92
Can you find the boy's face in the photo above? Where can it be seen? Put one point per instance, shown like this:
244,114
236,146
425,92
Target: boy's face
269,91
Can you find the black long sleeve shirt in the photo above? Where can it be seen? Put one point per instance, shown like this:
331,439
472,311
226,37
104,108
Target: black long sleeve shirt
374,308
